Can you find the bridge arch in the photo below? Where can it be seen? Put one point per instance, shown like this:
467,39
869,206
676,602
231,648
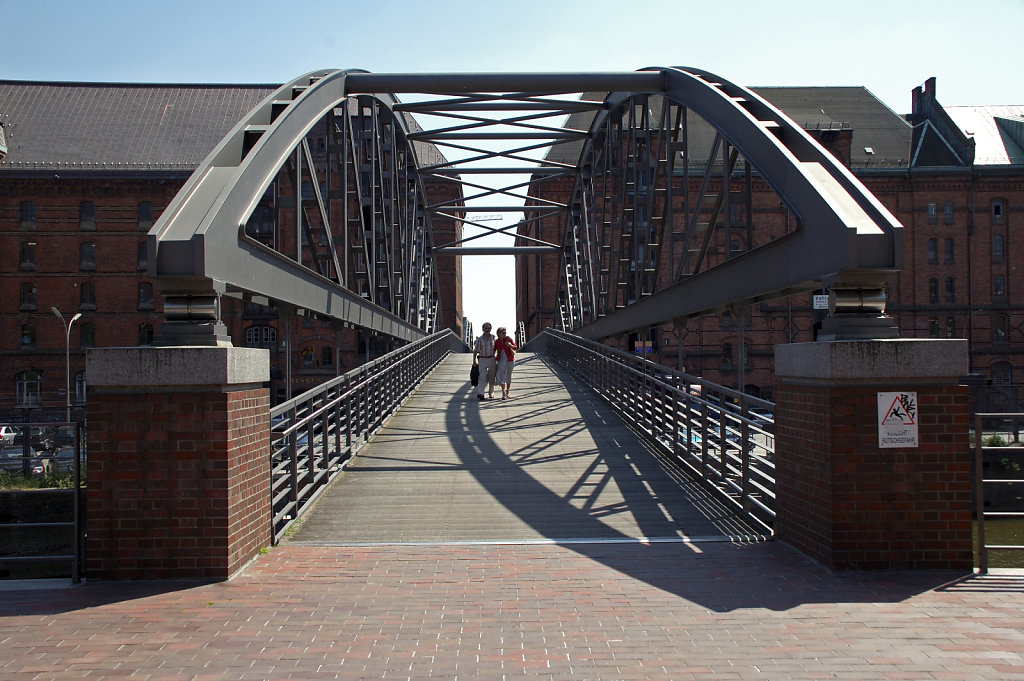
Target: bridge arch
844,239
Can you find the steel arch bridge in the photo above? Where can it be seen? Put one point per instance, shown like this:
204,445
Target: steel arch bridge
344,195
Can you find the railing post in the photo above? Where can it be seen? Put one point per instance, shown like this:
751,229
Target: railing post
979,495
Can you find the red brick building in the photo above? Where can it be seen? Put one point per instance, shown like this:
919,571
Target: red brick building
85,169
954,177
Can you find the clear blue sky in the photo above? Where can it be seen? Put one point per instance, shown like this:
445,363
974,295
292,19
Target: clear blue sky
971,46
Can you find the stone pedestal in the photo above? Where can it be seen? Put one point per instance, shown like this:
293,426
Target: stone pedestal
843,499
178,465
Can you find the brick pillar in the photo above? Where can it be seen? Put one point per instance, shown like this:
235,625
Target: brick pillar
844,500
178,465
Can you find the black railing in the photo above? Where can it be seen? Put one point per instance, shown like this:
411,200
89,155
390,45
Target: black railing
313,436
998,486
724,436
43,528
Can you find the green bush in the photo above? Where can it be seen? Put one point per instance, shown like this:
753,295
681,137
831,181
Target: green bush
994,441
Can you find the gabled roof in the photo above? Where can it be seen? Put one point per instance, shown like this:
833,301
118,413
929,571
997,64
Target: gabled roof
118,126
998,132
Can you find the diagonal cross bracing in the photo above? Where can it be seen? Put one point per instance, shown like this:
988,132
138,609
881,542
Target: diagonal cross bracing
637,183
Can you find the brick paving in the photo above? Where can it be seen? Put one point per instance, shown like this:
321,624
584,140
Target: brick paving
538,604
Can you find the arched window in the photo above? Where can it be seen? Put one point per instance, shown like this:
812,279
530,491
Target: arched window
307,356
86,296
326,356
145,334
80,387
145,215
997,248
28,335
933,251
261,336
947,250
145,296
28,215
87,256
86,216
143,260
87,335
27,299
28,256
28,386
933,291
950,290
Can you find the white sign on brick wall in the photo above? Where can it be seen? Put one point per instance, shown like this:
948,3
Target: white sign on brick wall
897,420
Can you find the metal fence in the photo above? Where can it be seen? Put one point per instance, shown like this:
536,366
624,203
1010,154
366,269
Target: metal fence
998,486
314,435
724,436
42,530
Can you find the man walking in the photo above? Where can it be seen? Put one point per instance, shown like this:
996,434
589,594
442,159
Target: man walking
483,357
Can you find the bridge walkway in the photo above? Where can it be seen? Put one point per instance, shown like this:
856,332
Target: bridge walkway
553,463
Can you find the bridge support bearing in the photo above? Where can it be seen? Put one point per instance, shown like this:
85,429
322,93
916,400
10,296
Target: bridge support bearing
842,499
178,465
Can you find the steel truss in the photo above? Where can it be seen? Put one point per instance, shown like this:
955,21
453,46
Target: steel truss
665,166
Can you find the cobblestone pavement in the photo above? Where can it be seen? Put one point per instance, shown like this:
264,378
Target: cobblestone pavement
712,610
550,551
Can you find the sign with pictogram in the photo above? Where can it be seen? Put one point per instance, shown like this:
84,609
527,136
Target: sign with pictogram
897,420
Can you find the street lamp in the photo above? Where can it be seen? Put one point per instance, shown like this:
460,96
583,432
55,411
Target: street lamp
67,354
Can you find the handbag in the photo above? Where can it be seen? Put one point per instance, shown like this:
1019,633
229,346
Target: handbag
474,375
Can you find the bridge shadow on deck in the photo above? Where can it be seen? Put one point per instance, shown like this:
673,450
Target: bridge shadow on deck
556,465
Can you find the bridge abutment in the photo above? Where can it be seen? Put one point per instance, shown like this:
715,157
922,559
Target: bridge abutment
178,472
843,498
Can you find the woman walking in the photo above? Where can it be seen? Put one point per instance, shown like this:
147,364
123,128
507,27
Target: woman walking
505,350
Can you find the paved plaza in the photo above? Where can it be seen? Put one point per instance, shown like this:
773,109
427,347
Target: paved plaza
534,538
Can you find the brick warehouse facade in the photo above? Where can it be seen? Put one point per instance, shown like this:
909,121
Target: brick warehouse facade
86,170
953,177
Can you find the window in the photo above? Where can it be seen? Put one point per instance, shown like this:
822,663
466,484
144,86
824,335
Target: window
260,224
933,291
947,212
933,327
87,216
260,336
143,262
80,387
950,290
999,327
933,251
28,298
326,356
950,327
87,256
308,357
997,211
947,250
27,388
86,296
145,296
28,215
999,286
87,335
145,334
28,256
933,215
1002,373
145,215
28,335
997,248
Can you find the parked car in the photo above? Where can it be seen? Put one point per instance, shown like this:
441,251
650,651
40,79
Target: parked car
7,434
40,437
63,459
13,461
64,436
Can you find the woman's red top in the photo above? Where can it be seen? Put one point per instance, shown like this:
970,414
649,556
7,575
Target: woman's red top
506,345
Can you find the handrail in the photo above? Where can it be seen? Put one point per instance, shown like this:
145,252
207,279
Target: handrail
981,484
314,435
722,435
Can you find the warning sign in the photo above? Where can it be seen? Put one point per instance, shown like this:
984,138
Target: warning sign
897,420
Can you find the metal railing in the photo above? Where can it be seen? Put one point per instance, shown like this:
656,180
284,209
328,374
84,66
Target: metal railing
36,456
724,436
313,436
990,490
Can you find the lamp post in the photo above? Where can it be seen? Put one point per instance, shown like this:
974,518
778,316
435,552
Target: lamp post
67,355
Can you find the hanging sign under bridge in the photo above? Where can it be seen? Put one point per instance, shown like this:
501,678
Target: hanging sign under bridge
897,420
